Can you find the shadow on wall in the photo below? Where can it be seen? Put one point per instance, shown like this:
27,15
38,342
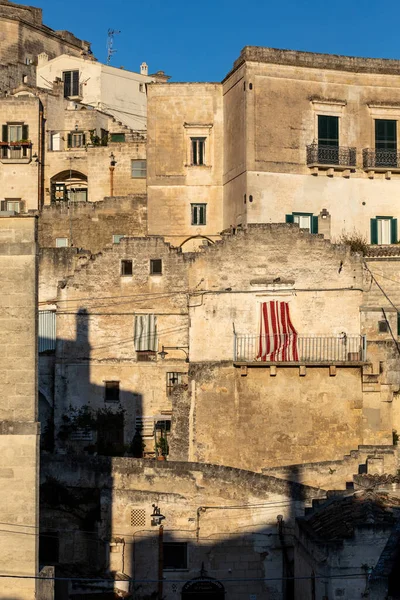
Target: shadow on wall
94,425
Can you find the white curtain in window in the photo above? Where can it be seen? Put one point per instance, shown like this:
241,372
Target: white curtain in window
384,231
146,333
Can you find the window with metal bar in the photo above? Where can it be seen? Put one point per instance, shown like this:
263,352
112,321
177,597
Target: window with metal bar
199,214
198,150
173,379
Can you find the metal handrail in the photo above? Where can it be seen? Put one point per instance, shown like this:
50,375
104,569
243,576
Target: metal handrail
300,348
374,158
331,155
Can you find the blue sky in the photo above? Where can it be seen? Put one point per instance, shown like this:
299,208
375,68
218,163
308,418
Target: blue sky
199,41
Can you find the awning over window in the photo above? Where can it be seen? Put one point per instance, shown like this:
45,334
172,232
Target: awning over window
146,333
278,337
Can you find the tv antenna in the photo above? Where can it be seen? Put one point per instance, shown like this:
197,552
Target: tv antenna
110,43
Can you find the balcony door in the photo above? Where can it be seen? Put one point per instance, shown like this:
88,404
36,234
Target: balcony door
385,143
328,140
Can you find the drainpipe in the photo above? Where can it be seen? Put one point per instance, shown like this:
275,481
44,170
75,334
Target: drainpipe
160,562
112,181
40,158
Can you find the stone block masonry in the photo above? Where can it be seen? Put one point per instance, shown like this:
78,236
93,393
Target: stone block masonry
19,430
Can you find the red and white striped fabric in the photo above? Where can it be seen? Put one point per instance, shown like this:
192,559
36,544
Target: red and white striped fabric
278,337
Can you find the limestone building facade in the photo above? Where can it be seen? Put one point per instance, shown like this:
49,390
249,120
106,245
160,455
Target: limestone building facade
19,427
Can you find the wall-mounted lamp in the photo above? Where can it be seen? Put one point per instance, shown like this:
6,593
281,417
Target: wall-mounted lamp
113,162
76,126
156,516
163,352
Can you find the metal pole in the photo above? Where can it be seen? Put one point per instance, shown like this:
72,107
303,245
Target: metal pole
160,561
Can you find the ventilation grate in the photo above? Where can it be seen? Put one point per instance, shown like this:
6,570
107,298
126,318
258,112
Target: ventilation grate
138,517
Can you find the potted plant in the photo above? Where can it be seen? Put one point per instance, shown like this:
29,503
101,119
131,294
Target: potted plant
162,448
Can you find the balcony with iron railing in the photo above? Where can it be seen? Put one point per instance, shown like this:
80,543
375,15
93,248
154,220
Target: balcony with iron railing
300,349
331,157
16,152
381,160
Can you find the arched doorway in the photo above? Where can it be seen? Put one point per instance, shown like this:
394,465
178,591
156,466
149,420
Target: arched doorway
196,243
69,186
203,588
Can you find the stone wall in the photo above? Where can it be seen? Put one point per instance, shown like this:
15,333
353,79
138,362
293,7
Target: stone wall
19,432
91,226
226,517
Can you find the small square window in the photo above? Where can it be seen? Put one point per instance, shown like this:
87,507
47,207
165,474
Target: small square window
117,238
383,327
13,206
198,150
138,168
175,555
199,214
156,266
61,242
111,391
76,139
117,137
142,87
126,268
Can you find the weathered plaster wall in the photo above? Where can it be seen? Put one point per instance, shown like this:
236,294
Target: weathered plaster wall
19,433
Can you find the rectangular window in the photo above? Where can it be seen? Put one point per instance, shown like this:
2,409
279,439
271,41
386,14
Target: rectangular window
156,266
383,230
117,238
15,133
13,205
173,379
126,268
76,139
328,130
385,143
175,555
71,83
198,150
61,242
138,168
117,137
145,337
304,221
55,142
142,87
111,391
199,214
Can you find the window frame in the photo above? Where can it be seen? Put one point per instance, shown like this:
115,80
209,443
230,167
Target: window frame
374,230
196,206
289,218
112,386
73,83
8,202
117,141
327,141
186,557
169,376
76,135
141,172
198,151
62,245
159,262
124,263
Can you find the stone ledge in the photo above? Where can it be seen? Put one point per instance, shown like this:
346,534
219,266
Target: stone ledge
19,428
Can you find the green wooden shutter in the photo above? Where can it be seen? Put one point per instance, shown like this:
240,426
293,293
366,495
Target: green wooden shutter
398,323
393,231
374,231
83,139
25,132
289,219
70,140
314,224
5,133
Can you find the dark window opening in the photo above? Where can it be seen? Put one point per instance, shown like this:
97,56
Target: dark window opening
385,143
199,214
146,355
126,268
71,83
156,266
383,327
198,154
111,391
76,139
117,137
175,555
164,425
328,135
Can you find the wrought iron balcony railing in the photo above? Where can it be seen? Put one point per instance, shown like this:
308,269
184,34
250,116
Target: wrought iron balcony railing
331,155
300,348
380,159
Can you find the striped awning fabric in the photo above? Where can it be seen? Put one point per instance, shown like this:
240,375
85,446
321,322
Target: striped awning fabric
278,337
146,333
